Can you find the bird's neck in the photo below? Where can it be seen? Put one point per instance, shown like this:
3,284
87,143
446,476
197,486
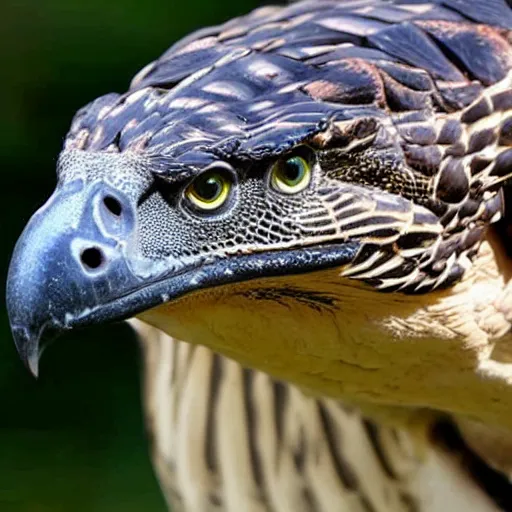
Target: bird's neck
445,351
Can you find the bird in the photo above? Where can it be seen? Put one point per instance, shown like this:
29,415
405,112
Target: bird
305,215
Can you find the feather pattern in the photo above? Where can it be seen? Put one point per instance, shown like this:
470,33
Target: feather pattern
226,439
408,105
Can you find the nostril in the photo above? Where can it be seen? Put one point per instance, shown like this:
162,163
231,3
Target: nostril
92,258
113,206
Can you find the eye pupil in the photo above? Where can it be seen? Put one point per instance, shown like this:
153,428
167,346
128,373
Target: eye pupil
208,188
293,170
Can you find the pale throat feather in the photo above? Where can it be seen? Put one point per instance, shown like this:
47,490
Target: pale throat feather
336,337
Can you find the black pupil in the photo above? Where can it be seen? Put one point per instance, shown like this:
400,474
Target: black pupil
208,187
292,169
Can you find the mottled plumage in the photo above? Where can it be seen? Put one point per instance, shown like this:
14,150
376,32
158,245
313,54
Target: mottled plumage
226,438
313,391
404,98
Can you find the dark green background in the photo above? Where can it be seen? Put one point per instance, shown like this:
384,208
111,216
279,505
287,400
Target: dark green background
73,441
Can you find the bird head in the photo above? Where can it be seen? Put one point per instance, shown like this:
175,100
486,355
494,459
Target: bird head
261,204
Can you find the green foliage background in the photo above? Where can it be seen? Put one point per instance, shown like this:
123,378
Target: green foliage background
73,441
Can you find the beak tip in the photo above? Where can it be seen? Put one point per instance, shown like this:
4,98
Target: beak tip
28,349
32,364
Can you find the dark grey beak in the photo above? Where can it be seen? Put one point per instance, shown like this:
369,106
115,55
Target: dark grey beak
70,258
77,263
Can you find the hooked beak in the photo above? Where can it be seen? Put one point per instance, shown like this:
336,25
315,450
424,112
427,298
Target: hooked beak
77,263
71,258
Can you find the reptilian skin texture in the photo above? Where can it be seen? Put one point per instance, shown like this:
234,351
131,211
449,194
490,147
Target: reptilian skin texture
405,111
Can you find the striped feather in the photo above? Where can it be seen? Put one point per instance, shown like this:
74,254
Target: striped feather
227,439
408,108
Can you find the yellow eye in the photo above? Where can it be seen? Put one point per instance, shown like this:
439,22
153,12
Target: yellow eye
291,175
209,190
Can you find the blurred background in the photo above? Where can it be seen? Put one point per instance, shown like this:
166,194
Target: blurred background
74,439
